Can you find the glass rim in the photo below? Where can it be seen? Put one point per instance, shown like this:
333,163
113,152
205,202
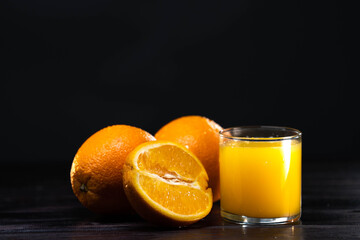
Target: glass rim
296,134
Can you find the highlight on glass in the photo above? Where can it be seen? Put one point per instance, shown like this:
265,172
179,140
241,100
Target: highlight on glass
260,174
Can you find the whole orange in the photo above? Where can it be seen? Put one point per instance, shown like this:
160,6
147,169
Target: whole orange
201,136
96,171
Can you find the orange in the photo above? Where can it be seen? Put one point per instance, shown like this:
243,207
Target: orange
201,136
167,184
96,171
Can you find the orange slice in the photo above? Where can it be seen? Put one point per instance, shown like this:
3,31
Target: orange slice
167,184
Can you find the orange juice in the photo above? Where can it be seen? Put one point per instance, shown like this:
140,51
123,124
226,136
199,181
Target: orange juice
261,179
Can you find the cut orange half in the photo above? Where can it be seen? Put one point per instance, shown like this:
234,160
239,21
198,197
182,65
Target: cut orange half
167,184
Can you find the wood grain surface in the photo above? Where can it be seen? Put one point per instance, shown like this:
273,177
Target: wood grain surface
36,202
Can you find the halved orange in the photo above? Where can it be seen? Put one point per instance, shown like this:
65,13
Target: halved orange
167,184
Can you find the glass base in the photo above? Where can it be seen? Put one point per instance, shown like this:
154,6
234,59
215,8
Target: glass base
240,219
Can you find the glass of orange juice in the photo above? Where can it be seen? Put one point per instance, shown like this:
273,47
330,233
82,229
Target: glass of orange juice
260,174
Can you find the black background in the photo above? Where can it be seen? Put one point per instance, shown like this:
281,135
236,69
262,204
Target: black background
72,67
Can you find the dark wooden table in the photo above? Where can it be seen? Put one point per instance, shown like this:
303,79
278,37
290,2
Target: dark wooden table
36,202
